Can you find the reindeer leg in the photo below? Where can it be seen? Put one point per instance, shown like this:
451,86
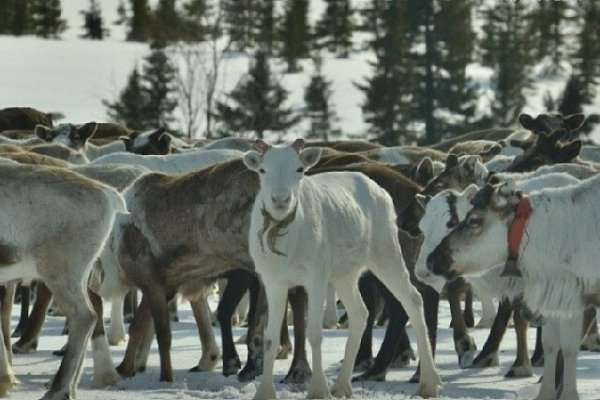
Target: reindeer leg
104,370
299,371
210,350
29,338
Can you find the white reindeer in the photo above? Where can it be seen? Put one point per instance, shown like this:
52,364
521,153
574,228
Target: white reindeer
560,270
59,247
171,163
326,228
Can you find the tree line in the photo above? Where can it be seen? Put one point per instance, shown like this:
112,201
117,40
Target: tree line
420,87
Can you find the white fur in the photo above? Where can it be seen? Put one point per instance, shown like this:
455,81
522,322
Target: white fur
171,163
559,264
77,231
391,155
344,223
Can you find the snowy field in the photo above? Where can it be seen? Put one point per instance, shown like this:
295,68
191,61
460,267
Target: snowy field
34,370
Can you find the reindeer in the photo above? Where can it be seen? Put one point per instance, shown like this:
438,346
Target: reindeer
559,273
349,222
59,248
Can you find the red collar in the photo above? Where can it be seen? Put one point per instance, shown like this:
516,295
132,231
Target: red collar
517,228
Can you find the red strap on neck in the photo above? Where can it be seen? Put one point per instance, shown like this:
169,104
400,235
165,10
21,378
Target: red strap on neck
517,228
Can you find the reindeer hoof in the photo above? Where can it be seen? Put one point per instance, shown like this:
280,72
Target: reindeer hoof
298,373
428,390
491,360
125,372
403,359
7,382
370,377
247,374
519,371
230,367
24,348
105,379
341,390
465,349
207,363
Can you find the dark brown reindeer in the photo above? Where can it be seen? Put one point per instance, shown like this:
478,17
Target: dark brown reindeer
22,118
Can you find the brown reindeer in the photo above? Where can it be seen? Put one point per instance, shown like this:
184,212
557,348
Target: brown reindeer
165,249
22,118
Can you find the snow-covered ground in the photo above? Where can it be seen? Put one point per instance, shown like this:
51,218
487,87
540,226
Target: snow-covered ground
34,370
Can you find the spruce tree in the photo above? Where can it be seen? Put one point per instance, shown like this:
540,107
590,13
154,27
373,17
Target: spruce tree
140,23
46,18
255,104
548,20
266,30
192,20
319,109
167,22
295,33
158,77
334,29
93,25
445,99
388,104
586,58
129,108
15,17
240,20
506,48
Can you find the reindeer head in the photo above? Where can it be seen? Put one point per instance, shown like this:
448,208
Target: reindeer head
74,137
548,149
458,174
152,142
443,212
548,123
478,242
281,170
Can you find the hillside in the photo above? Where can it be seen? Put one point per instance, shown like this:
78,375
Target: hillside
73,75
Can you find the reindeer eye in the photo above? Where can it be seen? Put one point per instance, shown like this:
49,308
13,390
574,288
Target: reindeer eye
300,170
262,171
474,221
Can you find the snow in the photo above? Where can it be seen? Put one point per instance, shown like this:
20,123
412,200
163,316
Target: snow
34,370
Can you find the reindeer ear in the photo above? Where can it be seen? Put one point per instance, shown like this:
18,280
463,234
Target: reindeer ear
298,145
44,133
470,163
261,146
128,142
470,192
570,150
574,121
310,157
252,160
163,144
87,130
422,200
526,121
451,161
424,171
492,150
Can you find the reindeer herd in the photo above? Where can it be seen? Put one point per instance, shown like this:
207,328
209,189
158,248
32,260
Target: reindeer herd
92,211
